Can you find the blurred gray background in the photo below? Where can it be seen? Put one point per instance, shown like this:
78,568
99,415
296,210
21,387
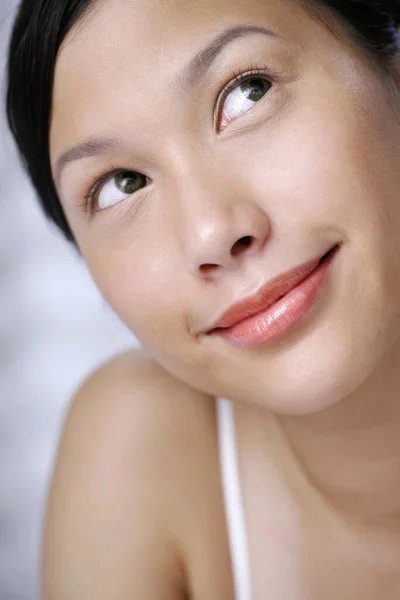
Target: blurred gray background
54,329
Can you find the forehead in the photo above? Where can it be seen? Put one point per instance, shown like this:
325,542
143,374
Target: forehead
128,49
150,21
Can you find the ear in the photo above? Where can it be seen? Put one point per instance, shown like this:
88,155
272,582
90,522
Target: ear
397,59
396,67
398,40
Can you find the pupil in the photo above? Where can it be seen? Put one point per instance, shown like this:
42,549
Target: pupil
128,183
255,89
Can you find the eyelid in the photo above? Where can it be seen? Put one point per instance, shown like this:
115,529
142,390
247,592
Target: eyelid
235,80
98,182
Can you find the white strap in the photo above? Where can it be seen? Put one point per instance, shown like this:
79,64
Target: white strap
233,499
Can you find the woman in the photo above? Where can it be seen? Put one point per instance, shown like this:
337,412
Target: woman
230,172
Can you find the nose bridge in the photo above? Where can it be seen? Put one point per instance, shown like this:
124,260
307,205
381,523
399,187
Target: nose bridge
217,220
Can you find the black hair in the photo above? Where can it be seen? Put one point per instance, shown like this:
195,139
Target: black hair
41,26
39,30
372,23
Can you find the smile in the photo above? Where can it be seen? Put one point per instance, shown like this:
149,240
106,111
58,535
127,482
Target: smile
275,308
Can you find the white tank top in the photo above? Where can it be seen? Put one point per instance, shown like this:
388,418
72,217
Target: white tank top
234,509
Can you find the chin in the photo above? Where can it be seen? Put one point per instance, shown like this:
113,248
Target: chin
331,364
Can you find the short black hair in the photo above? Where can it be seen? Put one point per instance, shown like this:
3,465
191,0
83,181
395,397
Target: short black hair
41,26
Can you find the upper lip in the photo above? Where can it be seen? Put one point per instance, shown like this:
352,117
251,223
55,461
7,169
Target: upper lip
266,295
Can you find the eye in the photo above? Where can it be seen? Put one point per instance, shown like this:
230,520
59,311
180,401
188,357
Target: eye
241,98
116,187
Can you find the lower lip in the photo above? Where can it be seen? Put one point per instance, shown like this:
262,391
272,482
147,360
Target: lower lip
274,322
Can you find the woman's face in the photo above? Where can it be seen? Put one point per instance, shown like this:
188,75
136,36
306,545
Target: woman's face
208,194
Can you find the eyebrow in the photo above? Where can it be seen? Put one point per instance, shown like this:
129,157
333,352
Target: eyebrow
191,74
202,61
93,147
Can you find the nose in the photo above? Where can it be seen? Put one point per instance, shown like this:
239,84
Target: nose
221,228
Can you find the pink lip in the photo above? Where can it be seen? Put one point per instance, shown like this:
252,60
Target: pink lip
276,307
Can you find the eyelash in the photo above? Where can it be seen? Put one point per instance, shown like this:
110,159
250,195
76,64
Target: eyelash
235,79
97,182
239,77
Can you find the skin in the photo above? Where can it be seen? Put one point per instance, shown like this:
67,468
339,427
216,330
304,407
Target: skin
314,163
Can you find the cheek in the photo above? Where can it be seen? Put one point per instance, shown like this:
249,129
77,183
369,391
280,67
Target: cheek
141,287
327,163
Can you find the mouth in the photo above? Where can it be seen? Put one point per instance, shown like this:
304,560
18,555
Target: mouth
270,293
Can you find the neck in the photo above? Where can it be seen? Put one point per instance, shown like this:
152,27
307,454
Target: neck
350,452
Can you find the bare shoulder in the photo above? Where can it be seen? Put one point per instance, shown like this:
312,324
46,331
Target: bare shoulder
133,405
137,468
135,386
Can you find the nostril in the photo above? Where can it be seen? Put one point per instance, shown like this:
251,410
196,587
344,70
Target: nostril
207,269
242,244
